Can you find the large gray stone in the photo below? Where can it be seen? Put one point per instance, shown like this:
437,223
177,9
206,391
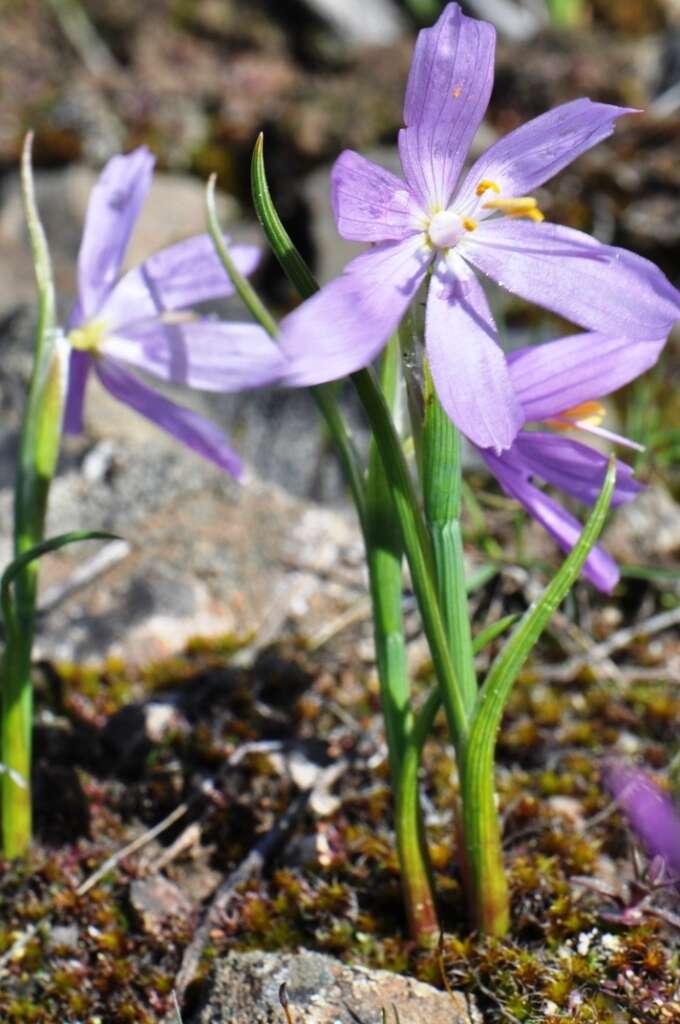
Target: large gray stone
244,987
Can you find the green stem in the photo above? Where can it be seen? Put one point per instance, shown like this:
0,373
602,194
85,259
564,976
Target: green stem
417,548
442,485
38,452
414,533
384,554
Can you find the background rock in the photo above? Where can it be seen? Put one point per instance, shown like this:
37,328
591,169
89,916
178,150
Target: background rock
321,990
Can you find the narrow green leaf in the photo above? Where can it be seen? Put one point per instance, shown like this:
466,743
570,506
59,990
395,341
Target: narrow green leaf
504,670
280,241
491,632
19,564
244,289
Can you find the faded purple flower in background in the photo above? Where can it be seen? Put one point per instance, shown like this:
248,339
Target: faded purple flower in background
651,812
558,384
490,223
142,320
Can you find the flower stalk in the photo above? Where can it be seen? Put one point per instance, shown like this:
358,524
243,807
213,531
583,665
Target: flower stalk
38,452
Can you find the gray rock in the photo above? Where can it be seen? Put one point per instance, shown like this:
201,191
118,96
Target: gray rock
244,987
206,557
377,23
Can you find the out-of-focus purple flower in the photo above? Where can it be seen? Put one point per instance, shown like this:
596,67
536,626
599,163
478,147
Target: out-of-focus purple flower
142,321
652,814
558,384
490,222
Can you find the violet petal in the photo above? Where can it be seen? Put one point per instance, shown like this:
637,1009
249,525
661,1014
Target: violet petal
175,278
597,286
447,94
468,366
79,366
184,424
577,469
650,811
600,568
344,326
371,204
531,154
210,355
115,202
549,379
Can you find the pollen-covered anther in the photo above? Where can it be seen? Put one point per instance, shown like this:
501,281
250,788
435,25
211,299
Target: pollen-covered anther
89,337
587,414
486,185
517,206
469,224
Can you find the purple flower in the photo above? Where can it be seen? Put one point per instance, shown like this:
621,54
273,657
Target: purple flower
650,811
558,384
141,320
490,222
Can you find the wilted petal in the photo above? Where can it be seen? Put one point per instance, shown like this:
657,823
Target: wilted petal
344,326
599,567
650,810
558,375
597,286
206,354
575,468
184,424
531,154
371,204
79,366
447,94
468,366
115,202
175,278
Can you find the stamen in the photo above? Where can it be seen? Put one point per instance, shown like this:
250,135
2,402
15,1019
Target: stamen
484,186
89,337
587,414
469,224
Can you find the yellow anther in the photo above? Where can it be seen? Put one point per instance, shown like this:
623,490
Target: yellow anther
485,185
469,224
89,337
587,414
516,206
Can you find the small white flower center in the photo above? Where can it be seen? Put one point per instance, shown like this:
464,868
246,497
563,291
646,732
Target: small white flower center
446,229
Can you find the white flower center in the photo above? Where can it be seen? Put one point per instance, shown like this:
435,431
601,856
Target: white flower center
446,229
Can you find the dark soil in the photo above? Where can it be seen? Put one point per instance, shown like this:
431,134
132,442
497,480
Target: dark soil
593,938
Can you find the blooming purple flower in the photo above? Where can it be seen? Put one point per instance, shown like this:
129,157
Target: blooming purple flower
490,222
141,320
558,384
650,811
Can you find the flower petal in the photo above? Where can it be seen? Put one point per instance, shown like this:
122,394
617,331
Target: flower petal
558,375
79,366
447,94
599,567
175,278
187,426
531,154
468,366
650,810
114,206
575,468
371,204
597,286
210,355
343,327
